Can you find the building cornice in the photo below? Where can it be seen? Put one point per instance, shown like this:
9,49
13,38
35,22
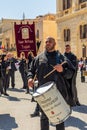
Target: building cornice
71,15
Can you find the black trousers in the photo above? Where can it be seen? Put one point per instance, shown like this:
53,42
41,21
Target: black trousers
44,122
1,85
82,77
24,79
5,83
37,109
11,74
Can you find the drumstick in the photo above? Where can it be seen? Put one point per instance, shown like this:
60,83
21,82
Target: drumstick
53,70
49,73
34,77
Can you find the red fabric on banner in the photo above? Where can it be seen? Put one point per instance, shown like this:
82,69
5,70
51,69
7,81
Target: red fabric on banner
25,38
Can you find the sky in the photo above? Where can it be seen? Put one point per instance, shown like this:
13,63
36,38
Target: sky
14,9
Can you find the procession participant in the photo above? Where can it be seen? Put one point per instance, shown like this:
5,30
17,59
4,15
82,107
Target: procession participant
44,63
1,76
12,68
72,57
30,57
5,72
22,69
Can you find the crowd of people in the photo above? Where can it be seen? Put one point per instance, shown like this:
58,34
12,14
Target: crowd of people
65,68
8,65
7,71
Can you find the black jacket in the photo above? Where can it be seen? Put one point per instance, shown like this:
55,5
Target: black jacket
11,62
42,64
73,90
0,70
72,58
22,66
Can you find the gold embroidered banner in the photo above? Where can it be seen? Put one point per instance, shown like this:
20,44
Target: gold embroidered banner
25,38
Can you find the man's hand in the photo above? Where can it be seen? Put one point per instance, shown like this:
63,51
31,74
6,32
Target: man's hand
58,68
30,83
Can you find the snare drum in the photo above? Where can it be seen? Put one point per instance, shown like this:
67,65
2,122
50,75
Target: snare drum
32,90
52,103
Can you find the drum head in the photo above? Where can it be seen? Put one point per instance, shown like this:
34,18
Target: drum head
43,88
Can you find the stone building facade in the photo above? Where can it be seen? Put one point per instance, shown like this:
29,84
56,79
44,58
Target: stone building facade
44,26
71,18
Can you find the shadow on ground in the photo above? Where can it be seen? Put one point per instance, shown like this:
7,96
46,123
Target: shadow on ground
16,90
81,109
7,122
11,98
76,122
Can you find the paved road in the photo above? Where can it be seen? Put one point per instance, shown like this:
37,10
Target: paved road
15,110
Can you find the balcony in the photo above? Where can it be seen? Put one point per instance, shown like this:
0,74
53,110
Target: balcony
83,5
67,11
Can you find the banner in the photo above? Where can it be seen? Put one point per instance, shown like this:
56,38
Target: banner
25,38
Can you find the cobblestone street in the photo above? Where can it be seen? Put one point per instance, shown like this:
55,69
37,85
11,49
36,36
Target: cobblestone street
15,110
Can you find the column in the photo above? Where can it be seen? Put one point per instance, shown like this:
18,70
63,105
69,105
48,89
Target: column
75,4
59,7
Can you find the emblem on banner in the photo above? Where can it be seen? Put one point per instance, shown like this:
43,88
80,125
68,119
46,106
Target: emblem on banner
25,33
24,36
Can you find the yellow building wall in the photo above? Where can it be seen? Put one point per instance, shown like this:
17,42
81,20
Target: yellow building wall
73,24
72,20
49,29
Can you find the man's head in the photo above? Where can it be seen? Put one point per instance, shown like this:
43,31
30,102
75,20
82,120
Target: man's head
67,48
50,44
9,55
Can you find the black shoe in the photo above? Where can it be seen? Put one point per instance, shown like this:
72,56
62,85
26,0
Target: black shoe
23,88
6,94
27,93
78,103
34,114
32,100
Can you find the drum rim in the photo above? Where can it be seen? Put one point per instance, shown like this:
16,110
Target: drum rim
38,94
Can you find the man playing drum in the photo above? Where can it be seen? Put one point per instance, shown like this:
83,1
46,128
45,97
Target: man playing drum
51,65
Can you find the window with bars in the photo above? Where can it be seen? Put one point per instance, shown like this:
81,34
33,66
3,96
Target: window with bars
83,31
81,1
66,35
67,4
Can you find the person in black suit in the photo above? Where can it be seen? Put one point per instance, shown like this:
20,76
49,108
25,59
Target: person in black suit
11,69
1,76
22,69
5,73
72,57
